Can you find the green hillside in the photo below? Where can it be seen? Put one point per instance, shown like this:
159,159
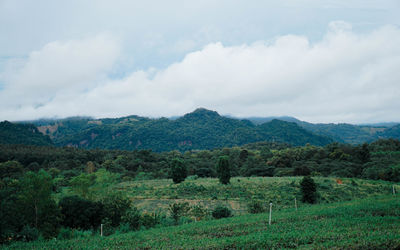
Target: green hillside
342,132
360,224
28,134
201,129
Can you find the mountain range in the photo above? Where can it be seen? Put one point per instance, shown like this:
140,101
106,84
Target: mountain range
200,129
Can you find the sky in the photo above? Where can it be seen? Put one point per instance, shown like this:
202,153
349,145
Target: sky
327,61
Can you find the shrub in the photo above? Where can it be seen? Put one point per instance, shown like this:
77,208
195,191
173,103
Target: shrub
132,218
150,220
115,206
80,213
308,190
199,212
178,170
255,207
28,234
177,210
221,212
64,234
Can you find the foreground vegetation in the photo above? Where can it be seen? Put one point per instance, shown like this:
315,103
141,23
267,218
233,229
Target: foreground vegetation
43,189
360,224
153,195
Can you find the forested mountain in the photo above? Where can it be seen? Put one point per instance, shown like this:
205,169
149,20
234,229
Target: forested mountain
28,134
201,129
342,132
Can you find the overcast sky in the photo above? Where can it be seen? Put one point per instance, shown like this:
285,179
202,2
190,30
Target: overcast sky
319,61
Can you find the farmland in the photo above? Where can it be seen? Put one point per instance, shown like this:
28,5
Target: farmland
157,194
370,223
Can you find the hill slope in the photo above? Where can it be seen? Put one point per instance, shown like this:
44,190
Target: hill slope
361,224
28,134
201,129
342,132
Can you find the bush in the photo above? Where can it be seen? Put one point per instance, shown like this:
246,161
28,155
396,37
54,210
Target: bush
80,213
132,218
115,206
221,212
150,220
28,234
65,234
308,190
178,170
199,212
255,207
177,210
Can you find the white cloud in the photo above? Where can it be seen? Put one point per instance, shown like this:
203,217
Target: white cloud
345,77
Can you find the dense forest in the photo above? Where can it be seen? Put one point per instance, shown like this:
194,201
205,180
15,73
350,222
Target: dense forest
201,129
28,134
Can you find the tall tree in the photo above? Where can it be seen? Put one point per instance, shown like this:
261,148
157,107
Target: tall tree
308,190
35,196
223,170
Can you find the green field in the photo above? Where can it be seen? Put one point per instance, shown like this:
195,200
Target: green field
153,195
371,223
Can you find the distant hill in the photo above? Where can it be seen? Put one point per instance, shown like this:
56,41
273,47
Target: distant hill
28,134
392,132
201,129
342,132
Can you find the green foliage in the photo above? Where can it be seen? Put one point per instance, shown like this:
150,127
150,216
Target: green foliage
28,134
11,169
80,213
81,184
115,207
221,212
308,190
255,207
199,212
201,129
223,170
360,224
28,233
178,170
35,195
132,218
65,234
177,210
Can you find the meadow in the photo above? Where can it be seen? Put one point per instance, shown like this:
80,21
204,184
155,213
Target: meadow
153,195
369,223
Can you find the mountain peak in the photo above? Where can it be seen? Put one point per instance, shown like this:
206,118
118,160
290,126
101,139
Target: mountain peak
202,112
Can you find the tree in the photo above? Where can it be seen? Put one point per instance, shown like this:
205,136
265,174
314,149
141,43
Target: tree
40,208
223,170
178,170
115,207
308,190
80,213
81,184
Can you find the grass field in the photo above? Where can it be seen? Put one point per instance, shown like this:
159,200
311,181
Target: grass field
370,223
151,195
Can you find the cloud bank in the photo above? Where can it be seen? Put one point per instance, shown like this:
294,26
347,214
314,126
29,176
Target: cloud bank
344,77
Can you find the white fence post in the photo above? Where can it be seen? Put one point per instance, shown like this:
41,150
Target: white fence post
270,212
101,230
